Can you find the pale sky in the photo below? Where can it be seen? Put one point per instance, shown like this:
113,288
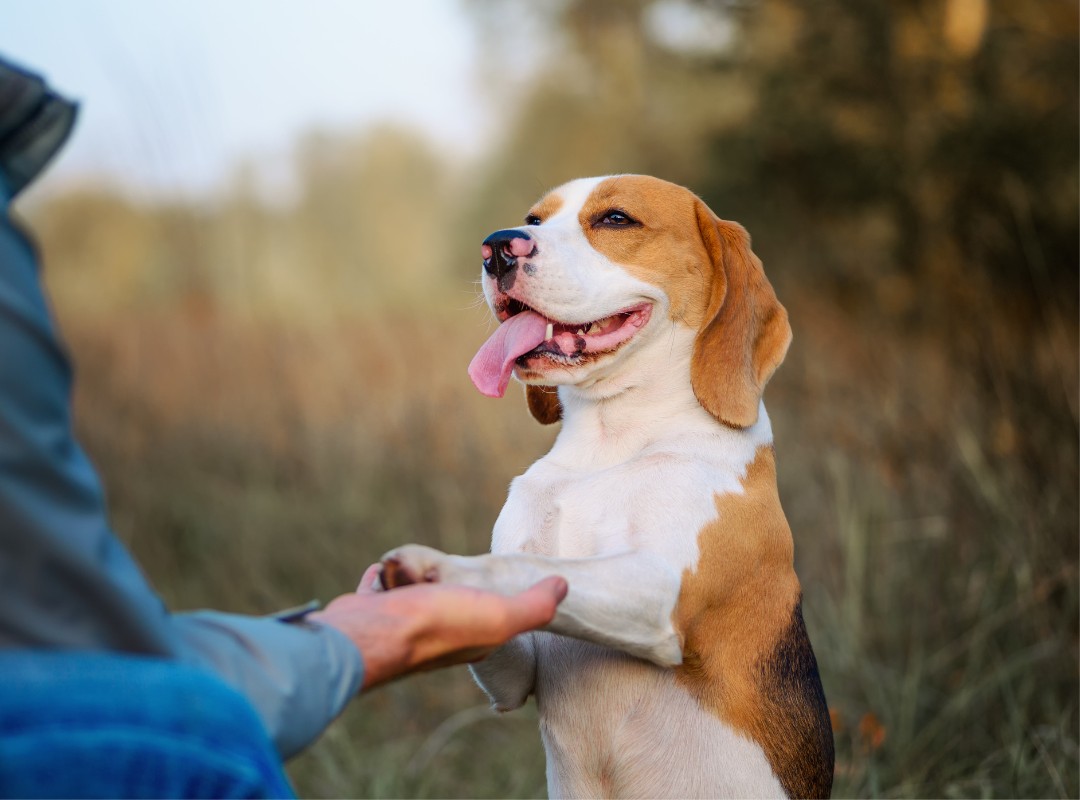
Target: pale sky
173,91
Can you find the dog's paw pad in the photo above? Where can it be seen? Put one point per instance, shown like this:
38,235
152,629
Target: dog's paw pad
408,565
395,574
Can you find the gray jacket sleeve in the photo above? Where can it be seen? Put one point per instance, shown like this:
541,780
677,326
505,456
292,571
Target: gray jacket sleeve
65,579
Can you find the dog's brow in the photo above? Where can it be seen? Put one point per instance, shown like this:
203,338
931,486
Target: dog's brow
548,206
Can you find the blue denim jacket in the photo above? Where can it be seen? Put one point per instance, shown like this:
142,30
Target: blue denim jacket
66,582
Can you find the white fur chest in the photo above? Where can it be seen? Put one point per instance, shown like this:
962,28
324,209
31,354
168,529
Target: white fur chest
560,512
656,499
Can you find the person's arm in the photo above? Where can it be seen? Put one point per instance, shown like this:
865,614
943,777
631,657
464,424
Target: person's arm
66,581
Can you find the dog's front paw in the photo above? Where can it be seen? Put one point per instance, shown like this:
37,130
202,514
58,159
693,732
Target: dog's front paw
412,563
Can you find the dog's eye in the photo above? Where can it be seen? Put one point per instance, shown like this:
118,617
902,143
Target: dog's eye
615,219
532,219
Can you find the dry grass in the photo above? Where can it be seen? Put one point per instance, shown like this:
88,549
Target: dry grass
252,466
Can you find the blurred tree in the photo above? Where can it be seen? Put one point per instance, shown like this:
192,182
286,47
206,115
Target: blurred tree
912,163
911,147
952,124
603,95
352,238
367,204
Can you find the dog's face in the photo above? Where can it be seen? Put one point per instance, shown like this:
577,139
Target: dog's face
604,266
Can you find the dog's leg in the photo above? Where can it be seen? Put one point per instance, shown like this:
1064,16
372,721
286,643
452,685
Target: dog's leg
508,676
623,601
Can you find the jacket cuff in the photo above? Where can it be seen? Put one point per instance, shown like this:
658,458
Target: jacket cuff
298,677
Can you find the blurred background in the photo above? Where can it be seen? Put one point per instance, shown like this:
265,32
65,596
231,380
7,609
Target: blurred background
262,247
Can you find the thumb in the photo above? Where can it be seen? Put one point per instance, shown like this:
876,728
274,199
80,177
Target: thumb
370,578
536,606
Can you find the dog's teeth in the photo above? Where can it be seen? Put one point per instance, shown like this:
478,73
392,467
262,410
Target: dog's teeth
550,331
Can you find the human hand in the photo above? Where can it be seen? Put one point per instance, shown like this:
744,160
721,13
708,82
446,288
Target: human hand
432,625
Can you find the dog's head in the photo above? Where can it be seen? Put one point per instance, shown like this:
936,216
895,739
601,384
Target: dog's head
605,266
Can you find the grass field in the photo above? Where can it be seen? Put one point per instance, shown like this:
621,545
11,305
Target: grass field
252,465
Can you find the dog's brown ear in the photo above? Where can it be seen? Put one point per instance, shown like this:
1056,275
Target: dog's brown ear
745,332
544,403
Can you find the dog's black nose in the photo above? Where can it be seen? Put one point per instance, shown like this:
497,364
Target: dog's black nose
502,249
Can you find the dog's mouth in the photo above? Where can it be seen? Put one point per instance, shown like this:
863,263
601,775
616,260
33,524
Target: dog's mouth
527,334
566,341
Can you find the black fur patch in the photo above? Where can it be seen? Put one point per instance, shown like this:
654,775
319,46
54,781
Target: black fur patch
802,741
508,278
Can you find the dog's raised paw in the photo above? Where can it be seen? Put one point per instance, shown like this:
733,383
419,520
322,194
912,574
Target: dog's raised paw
410,564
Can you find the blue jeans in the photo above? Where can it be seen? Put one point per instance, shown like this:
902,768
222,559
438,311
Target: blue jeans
82,724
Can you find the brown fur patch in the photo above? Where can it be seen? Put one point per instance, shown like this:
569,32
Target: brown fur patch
746,656
746,334
547,206
544,403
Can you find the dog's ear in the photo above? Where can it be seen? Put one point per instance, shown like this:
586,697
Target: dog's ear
745,332
544,403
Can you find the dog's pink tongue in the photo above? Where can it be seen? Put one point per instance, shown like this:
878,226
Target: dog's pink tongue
491,366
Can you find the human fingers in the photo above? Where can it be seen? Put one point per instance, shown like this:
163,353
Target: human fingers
431,625
462,624
535,607
369,579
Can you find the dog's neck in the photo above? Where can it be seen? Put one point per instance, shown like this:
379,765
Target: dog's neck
647,402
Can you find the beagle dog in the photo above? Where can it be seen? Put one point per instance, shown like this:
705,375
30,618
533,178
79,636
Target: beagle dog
678,665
